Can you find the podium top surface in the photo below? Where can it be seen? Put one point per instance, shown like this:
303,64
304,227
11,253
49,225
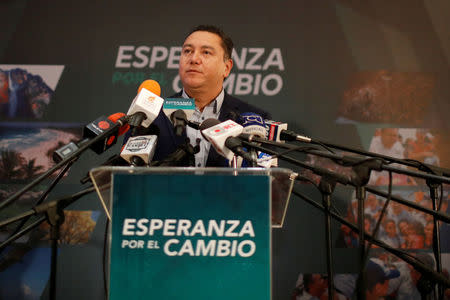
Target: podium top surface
189,170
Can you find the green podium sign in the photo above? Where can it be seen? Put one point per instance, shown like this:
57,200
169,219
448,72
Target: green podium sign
190,235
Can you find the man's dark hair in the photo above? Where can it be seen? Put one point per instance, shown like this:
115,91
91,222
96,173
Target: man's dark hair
227,43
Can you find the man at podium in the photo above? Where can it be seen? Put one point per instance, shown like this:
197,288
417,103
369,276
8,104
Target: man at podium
205,63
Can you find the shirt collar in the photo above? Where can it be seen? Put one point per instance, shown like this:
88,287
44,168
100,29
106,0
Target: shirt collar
216,104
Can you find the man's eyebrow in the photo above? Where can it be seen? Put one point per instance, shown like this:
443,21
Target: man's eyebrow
203,47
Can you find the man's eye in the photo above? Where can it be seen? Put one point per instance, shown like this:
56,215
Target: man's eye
187,51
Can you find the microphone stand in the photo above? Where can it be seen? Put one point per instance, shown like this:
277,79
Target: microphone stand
54,215
433,186
40,200
326,188
417,264
69,159
184,150
289,135
362,169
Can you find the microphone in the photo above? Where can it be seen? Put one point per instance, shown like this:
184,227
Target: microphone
223,137
182,156
179,111
277,131
254,125
92,130
146,105
139,150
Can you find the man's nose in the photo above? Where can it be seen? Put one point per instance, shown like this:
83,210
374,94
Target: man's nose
195,58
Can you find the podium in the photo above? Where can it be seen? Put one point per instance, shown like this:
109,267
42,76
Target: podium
191,233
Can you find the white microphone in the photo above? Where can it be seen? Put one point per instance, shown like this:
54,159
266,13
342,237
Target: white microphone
139,150
146,105
223,137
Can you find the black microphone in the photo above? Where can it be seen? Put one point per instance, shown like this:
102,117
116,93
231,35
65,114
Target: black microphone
92,130
179,121
182,156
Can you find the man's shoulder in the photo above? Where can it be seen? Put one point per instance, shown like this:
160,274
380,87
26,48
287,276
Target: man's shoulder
239,106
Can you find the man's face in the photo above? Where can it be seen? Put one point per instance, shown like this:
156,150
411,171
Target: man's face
202,62
388,137
318,285
390,229
404,227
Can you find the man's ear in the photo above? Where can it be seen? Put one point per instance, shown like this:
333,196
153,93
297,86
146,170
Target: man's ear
228,66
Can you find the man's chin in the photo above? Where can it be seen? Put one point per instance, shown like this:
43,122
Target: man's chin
192,84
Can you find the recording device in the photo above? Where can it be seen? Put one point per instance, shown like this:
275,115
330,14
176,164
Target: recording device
146,105
223,137
139,150
92,130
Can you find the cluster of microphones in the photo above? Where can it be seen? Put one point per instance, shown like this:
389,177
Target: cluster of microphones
226,137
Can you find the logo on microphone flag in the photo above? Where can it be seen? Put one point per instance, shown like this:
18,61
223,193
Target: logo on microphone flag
137,144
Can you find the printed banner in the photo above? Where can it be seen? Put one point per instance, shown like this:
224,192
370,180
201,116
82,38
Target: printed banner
190,236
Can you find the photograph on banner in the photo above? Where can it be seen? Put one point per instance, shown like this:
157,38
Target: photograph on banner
26,152
76,230
402,226
26,149
428,146
25,265
388,277
27,90
382,96
27,275
77,227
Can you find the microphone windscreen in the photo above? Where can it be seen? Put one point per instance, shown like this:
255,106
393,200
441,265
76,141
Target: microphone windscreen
208,123
178,114
117,116
150,85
